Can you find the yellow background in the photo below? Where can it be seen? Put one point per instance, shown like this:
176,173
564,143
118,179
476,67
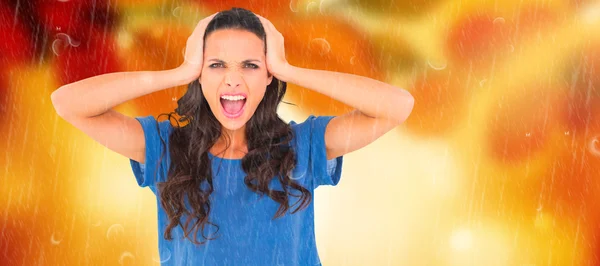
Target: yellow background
497,165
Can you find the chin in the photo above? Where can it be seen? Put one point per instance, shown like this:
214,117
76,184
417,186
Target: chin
229,125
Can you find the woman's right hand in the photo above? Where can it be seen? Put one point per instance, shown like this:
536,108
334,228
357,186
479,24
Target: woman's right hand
194,50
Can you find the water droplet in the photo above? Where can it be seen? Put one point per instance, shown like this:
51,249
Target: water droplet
352,60
567,133
114,230
297,176
177,12
72,42
595,146
483,81
528,134
165,256
56,238
437,65
499,20
292,6
61,43
58,46
126,256
323,45
174,99
310,6
321,6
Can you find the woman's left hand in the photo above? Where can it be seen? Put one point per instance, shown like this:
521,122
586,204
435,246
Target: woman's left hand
276,62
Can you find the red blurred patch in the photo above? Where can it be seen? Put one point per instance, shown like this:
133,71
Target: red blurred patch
76,18
575,169
571,189
3,93
534,19
481,38
478,38
520,125
156,48
572,185
15,43
440,99
22,238
94,55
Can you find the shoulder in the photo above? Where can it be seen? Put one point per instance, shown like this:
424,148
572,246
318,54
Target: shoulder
157,159
311,155
312,124
153,128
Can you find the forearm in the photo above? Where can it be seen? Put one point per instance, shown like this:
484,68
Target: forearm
372,97
96,95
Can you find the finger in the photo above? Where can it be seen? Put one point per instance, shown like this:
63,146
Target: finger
270,25
264,21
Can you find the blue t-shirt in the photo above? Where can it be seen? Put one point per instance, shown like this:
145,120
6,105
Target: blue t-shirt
247,233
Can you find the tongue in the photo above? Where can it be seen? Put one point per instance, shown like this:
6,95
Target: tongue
232,107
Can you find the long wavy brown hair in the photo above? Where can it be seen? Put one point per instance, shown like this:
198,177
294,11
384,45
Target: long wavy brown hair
269,152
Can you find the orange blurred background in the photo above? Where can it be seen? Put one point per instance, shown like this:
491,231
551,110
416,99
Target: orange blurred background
497,165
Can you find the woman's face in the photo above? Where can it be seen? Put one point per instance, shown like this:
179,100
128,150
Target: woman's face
234,75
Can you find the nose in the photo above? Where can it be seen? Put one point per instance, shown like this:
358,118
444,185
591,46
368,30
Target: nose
233,79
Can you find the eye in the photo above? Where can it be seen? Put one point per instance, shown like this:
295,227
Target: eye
212,66
252,65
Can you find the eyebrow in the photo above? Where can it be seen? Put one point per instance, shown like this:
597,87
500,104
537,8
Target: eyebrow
245,61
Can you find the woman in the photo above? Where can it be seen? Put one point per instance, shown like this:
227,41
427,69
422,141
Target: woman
228,148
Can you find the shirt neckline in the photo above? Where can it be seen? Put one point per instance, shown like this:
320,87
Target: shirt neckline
212,156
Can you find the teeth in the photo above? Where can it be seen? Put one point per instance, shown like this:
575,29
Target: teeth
233,98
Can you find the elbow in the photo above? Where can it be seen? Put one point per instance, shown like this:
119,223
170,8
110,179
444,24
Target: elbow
58,102
406,104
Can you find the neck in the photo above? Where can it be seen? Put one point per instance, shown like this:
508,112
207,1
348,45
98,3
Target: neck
232,144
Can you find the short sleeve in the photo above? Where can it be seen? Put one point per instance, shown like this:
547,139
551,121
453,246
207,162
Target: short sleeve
153,169
311,152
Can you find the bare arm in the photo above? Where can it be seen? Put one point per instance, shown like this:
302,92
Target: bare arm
96,95
379,107
87,104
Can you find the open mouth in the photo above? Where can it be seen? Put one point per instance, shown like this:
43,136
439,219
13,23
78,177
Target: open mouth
233,105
